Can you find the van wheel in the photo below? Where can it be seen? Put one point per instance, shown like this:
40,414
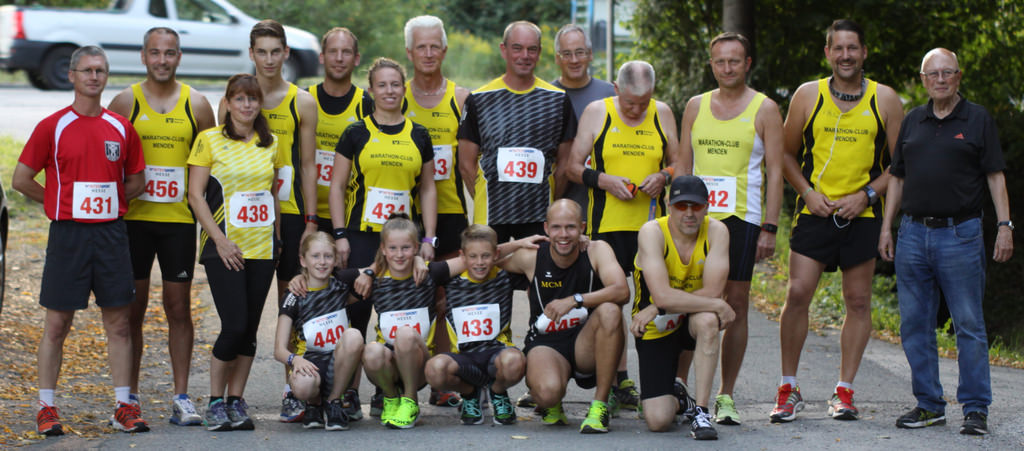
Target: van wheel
54,72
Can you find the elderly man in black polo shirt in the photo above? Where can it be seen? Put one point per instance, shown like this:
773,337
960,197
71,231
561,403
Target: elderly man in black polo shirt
948,150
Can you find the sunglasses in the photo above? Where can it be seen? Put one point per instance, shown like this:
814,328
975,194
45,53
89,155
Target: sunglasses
684,206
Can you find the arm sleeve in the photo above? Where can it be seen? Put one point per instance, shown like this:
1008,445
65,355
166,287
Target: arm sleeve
134,161
421,137
440,273
568,119
468,127
200,155
992,152
38,148
352,140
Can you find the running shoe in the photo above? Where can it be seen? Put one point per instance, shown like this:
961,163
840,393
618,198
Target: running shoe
237,412
389,406
597,419
626,395
919,418
128,418
217,416
183,412
313,418
134,399
700,427
445,398
526,400
975,423
376,405
47,421
470,409
291,409
686,402
504,412
840,407
406,415
554,415
353,409
788,403
337,418
725,411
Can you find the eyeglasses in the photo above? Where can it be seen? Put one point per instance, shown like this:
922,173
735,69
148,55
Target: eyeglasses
935,74
684,206
578,53
91,71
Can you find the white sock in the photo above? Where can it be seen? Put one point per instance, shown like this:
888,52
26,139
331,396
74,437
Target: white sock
121,393
791,380
46,397
846,385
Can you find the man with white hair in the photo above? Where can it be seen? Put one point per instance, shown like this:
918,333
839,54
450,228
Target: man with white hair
947,153
435,102
631,141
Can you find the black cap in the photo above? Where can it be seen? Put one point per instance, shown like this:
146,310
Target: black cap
688,188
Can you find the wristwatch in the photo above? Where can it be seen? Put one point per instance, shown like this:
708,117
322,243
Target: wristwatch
872,195
770,228
369,272
310,219
340,233
1005,223
431,240
579,300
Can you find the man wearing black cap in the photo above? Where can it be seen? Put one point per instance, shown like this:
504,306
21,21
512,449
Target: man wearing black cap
681,268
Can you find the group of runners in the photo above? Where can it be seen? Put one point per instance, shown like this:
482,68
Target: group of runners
356,199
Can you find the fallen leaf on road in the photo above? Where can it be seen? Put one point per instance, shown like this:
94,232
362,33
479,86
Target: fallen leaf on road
519,437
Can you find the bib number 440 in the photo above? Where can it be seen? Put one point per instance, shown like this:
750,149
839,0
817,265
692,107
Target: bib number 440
331,337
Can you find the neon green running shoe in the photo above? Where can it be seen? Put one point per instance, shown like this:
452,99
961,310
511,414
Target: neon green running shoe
597,419
406,415
389,408
725,411
554,415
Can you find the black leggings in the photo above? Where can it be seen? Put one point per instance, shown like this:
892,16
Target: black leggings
239,297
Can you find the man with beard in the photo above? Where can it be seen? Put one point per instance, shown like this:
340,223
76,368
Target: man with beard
168,115
838,139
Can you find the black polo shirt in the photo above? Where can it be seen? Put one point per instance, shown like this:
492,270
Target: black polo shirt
944,162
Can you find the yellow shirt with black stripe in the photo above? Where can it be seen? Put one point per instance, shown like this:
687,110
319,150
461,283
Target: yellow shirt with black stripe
283,121
329,128
383,161
631,152
687,276
442,121
236,167
842,152
166,142
731,154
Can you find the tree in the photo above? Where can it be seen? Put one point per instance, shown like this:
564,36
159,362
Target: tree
488,18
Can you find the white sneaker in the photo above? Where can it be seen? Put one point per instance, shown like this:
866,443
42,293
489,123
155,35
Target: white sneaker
183,413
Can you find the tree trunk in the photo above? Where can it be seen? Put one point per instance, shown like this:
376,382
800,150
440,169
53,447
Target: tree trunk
738,16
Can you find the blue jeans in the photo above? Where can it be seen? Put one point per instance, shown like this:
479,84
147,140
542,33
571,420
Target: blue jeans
951,259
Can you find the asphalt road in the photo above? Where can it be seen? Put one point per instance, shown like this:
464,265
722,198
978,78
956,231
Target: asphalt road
883,389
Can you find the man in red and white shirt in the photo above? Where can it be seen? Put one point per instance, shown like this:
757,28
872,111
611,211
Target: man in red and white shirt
93,163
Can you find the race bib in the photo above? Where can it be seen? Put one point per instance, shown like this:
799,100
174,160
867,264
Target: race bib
520,165
575,318
721,193
380,203
284,182
251,209
443,162
668,322
324,167
417,319
476,322
94,200
164,184
323,332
